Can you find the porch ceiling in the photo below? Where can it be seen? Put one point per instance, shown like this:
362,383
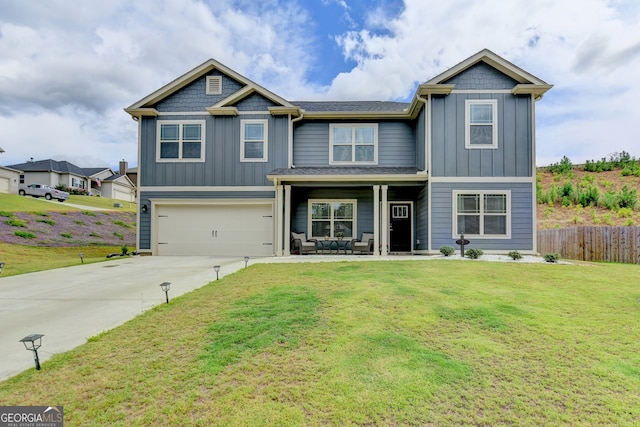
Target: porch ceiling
348,174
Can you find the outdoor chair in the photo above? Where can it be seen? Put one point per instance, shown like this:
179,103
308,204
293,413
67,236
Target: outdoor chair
363,245
300,244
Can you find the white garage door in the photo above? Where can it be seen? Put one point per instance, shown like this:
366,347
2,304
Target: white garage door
224,230
4,185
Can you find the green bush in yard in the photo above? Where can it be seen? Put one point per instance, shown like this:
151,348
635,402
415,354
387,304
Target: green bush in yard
474,253
16,222
447,250
25,234
551,257
515,255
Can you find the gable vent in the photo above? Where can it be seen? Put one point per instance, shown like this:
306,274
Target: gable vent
214,85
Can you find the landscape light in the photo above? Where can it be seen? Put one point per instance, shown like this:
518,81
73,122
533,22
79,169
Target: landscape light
1,267
246,260
32,343
81,255
165,288
217,269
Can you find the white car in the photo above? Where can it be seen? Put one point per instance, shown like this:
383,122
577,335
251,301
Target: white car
41,190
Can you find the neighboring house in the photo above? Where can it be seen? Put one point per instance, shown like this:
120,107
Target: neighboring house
9,180
227,167
94,181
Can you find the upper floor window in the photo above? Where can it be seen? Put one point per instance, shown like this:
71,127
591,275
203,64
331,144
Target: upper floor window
181,140
482,214
353,143
254,141
481,123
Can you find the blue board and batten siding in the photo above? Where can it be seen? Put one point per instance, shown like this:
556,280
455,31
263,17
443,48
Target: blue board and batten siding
522,226
396,144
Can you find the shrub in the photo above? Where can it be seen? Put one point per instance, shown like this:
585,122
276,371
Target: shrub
627,198
474,253
94,234
609,201
118,235
47,221
25,234
66,235
6,214
447,250
629,222
563,167
125,225
551,257
16,222
78,222
88,213
624,213
515,255
589,197
124,249
98,223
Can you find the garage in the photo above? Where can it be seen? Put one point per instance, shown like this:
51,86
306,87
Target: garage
4,185
217,229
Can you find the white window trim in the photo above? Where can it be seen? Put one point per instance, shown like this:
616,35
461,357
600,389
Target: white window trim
481,193
179,159
219,84
353,145
331,201
467,124
265,151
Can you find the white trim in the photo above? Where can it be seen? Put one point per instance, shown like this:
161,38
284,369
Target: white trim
534,193
181,123
206,188
384,221
350,178
214,82
185,113
354,229
353,127
481,193
483,179
265,140
467,123
509,91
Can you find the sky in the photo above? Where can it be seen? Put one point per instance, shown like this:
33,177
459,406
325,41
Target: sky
68,68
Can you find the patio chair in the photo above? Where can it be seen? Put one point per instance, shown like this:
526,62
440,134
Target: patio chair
300,244
363,245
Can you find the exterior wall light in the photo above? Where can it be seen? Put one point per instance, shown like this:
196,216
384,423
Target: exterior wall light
144,208
217,270
32,343
165,288
246,260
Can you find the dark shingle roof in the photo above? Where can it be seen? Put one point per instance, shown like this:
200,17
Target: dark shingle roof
50,165
92,171
344,170
352,106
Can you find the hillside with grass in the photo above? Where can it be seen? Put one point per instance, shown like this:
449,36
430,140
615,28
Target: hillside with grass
598,193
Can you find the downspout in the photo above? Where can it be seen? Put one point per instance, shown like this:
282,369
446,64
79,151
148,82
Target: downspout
291,122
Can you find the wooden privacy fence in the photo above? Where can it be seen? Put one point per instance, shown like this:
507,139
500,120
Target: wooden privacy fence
614,244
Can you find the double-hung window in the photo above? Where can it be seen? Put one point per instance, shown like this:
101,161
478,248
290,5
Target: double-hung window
254,141
181,140
482,214
327,217
481,123
353,143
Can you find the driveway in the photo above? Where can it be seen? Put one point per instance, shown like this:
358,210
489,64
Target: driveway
69,305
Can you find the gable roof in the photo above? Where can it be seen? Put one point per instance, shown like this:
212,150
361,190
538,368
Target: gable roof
94,171
142,107
50,165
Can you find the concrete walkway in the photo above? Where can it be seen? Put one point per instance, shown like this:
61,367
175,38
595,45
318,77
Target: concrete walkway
69,305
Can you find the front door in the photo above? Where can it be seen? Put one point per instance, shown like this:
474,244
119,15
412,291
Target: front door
400,227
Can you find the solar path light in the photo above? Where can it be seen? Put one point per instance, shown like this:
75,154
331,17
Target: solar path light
81,255
1,267
246,260
217,270
165,288
32,343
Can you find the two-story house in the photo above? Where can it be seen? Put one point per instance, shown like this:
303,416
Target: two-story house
226,167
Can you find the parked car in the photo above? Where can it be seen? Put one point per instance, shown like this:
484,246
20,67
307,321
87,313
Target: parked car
41,190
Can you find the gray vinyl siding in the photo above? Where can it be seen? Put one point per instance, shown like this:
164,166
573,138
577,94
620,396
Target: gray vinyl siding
193,97
222,166
421,144
396,144
521,216
421,213
512,158
205,196
482,76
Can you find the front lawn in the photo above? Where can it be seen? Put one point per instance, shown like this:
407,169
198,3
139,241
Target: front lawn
364,343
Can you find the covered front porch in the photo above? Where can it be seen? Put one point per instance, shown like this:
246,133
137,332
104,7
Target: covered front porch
319,204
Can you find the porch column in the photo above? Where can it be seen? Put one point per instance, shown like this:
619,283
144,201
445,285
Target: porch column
278,220
384,223
287,220
376,220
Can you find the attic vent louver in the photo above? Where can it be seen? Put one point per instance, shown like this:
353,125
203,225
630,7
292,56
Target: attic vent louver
214,85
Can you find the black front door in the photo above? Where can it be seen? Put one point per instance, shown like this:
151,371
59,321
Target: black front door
400,227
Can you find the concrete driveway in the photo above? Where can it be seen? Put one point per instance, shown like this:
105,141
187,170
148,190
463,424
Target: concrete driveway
69,305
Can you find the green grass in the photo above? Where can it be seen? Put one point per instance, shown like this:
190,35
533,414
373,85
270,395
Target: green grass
14,203
20,259
368,343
